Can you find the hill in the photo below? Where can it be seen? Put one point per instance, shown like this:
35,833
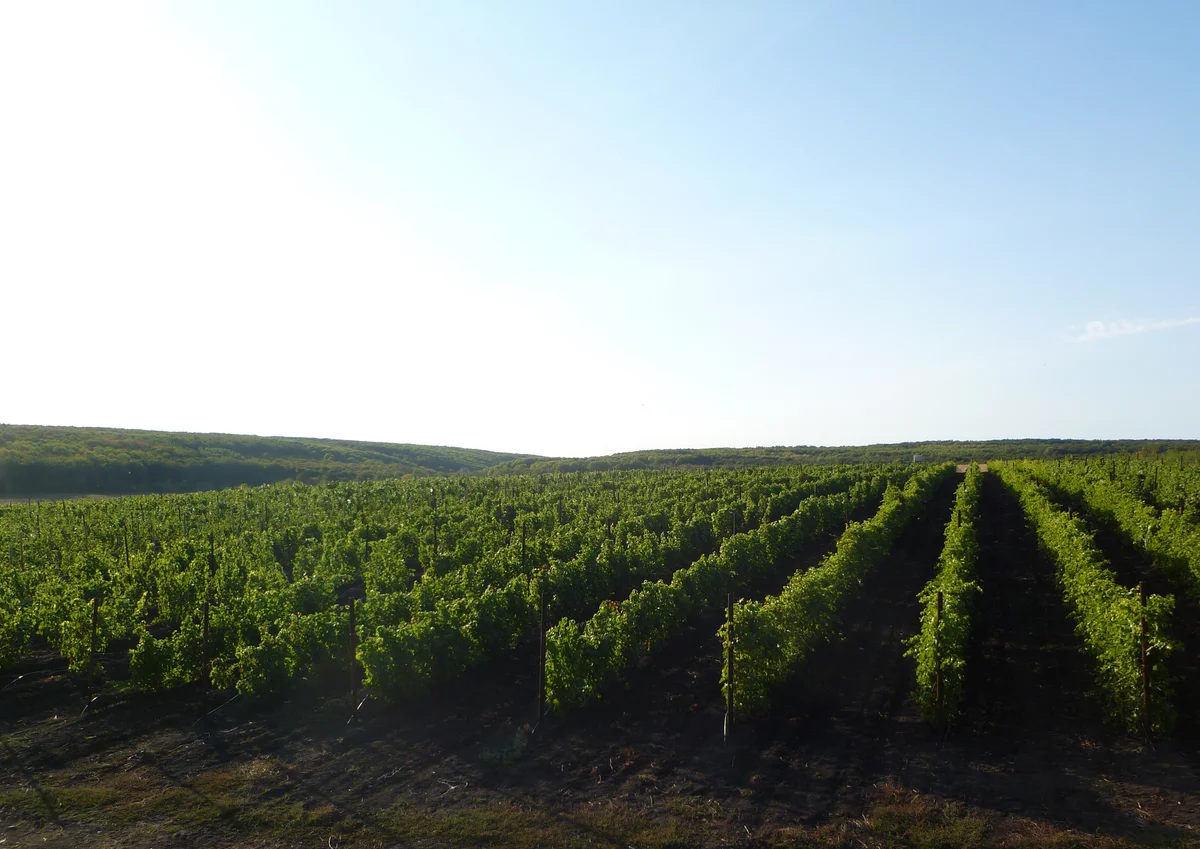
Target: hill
41,461
896,452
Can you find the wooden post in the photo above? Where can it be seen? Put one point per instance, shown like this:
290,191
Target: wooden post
125,537
353,663
541,670
206,671
92,651
524,522
938,688
1145,664
433,505
729,691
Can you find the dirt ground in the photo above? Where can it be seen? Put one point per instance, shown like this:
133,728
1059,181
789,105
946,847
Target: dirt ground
844,760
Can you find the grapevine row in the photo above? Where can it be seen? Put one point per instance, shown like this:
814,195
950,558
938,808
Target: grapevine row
248,588
1107,616
583,659
443,643
1169,536
940,647
772,638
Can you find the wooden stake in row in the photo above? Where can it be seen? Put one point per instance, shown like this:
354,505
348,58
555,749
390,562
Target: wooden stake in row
433,497
1145,665
729,691
206,657
353,664
206,671
541,670
92,651
939,717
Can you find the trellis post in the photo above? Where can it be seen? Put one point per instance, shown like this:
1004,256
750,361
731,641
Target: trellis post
206,670
92,649
729,681
1145,664
353,663
541,668
938,685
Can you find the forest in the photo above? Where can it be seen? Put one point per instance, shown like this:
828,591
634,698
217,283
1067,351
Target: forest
40,461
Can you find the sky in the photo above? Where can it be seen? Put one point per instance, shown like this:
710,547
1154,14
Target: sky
571,228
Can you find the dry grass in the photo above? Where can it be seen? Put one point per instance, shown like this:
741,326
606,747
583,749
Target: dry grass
250,804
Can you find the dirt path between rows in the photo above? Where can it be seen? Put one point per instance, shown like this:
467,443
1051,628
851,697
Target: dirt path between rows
1033,740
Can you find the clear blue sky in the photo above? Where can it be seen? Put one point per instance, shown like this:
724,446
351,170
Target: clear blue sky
571,228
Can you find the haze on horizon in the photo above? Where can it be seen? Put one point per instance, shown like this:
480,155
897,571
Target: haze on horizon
571,230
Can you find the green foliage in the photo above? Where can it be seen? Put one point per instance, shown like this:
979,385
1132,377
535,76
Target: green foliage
449,572
582,660
1107,615
943,642
585,564
1152,505
161,663
772,638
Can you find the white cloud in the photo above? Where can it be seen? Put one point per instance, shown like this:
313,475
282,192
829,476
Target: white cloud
1094,331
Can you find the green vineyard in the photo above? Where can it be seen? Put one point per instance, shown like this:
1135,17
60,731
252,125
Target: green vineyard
245,590
579,593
